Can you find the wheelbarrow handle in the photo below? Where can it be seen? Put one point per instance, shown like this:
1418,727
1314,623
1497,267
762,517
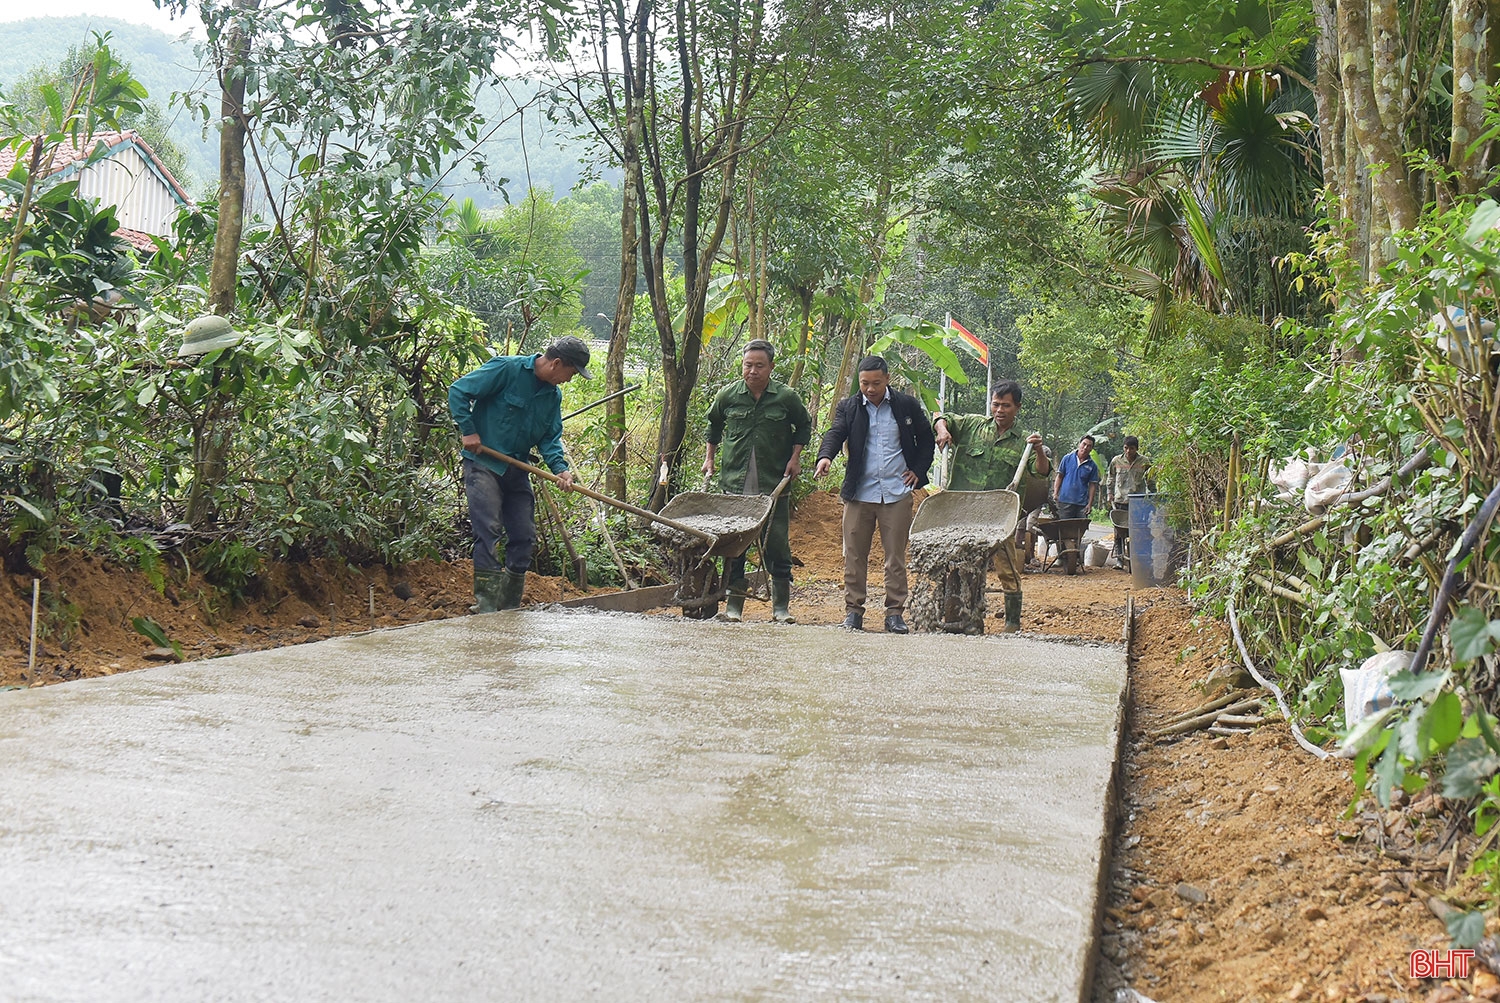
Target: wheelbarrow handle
626,506
780,487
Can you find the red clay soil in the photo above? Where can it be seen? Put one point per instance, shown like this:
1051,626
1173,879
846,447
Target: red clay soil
1234,874
88,604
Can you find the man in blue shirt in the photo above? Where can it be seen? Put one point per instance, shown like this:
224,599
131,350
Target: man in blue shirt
1077,481
890,443
511,404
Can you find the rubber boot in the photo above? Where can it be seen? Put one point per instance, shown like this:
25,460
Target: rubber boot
487,585
512,584
734,605
1012,613
781,598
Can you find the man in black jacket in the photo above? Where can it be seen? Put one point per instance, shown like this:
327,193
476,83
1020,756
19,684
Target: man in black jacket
890,445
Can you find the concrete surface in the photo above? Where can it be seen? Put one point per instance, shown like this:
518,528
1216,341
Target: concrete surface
555,805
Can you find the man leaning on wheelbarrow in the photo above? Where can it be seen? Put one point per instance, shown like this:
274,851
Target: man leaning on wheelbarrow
986,451
511,404
762,426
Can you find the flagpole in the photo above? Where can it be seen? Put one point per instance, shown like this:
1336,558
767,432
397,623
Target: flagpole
988,382
943,373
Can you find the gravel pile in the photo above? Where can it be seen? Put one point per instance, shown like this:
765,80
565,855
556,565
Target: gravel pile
718,525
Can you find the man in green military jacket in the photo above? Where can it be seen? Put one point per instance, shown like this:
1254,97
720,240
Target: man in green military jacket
986,451
762,426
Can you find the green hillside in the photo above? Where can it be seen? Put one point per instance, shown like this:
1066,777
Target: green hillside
166,65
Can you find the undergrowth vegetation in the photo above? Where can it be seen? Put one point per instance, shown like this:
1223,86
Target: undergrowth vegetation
1401,400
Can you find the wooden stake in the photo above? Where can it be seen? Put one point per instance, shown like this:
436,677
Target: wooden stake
580,567
610,542
36,598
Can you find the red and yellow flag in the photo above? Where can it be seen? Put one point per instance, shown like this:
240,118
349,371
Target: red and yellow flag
980,350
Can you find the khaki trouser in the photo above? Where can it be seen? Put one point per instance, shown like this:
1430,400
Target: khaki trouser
1008,563
861,519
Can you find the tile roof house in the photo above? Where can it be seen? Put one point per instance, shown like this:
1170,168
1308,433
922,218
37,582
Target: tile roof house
129,177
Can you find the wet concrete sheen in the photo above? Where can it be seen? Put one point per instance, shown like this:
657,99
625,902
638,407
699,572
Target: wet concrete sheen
554,805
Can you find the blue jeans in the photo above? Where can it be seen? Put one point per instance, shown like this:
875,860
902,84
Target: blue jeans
501,506
1067,511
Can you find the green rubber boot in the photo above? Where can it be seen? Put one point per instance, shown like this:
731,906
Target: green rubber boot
487,585
781,598
734,605
1012,613
512,584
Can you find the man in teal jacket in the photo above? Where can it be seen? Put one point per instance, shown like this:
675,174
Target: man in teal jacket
511,404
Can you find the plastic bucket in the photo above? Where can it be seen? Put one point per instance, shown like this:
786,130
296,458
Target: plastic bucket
1154,555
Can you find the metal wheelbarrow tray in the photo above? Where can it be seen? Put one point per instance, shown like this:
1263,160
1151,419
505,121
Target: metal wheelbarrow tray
1068,535
955,517
734,520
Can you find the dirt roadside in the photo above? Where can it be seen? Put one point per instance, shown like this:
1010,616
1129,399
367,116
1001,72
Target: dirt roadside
1234,876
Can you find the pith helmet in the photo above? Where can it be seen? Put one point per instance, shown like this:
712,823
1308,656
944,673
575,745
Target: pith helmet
206,334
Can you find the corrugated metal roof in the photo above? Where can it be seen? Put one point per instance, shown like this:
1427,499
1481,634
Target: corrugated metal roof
68,157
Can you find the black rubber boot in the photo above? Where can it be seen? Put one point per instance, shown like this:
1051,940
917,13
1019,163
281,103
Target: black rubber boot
512,584
487,585
1012,613
781,599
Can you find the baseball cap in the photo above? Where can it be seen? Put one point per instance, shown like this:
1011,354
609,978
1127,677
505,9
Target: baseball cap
574,352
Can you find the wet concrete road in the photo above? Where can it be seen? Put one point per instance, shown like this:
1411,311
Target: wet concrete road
560,806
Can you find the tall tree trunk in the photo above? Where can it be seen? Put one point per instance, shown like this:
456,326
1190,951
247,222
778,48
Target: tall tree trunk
1360,67
854,340
805,295
752,270
1470,87
223,276
830,326
633,51
615,472
704,147
1330,109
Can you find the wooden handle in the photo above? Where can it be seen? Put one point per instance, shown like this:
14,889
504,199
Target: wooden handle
1015,481
626,506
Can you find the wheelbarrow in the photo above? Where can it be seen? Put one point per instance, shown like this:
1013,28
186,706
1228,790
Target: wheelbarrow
732,522
1068,535
971,526
1121,518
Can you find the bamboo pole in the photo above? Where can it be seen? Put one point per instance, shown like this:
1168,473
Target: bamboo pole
1277,590
1218,703
1232,481
1204,720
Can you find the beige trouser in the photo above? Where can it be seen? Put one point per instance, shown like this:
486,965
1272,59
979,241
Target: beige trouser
1008,563
860,522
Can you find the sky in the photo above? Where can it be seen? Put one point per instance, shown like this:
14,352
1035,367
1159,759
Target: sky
135,11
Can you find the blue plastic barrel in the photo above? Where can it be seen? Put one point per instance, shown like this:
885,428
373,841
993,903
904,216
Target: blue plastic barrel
1153,544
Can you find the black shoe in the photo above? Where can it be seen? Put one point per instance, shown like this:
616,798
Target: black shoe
854,621
895,625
